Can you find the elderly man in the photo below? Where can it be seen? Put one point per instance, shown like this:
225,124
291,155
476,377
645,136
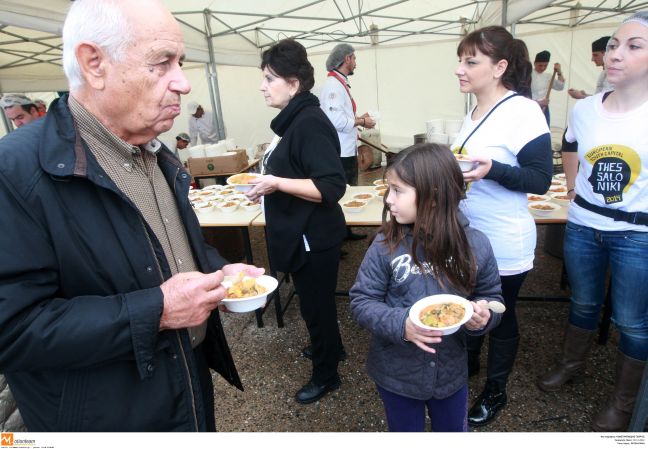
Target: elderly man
598,53
201,124
19,109
540,80
108,321
338,104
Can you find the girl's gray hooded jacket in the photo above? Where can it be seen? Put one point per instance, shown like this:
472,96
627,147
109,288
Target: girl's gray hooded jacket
386,287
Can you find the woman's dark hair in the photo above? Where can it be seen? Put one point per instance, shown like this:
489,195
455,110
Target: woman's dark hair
433,171
497,43
288,59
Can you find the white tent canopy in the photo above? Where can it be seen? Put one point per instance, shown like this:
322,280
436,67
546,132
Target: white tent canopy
404,47
30,44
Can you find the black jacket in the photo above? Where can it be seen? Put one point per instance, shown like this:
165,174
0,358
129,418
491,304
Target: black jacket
309,149
80,301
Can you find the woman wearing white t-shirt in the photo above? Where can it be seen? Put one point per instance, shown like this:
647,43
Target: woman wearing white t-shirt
507,137
608,222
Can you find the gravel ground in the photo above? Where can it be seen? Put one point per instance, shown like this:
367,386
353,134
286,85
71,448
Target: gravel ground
272,369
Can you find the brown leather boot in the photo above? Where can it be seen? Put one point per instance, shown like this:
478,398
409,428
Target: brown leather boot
572,363
615,416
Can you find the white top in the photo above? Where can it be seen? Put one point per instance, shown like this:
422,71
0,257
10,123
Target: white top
336,104
498,212
540,84
602,84
202,127
613,156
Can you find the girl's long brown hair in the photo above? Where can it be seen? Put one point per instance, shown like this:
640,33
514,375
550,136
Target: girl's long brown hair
433,171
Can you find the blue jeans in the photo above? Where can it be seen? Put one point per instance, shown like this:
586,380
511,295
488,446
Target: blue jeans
408,415
588,254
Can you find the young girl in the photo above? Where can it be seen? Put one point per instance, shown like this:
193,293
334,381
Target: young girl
425,248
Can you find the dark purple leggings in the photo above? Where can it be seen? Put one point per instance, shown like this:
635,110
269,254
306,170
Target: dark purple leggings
408,415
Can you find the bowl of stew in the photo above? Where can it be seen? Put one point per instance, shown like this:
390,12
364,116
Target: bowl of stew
446,313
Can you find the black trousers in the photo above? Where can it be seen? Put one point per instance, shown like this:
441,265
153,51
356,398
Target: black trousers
508,327
315,284
350,165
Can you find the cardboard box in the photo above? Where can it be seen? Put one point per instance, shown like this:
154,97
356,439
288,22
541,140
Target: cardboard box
218,165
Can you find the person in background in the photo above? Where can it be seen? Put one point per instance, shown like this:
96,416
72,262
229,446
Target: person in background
201,124
605,156
302,182
540,79
425,248
19,109
340,107
42,106
507,138
182,142
602,84
109,317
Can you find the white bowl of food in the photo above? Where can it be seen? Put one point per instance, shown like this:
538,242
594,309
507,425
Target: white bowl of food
228,191
245,293
534,197
445,313
560,176
214,187
561,198
250,206
380,190
558,182
241,181
558,189
379,182
228,206
364,196
203,207
236,197
203,193
464,161
354,206
543,208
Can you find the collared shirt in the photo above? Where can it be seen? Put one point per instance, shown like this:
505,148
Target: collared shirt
336,104
136,173
202,127
602,84
540,84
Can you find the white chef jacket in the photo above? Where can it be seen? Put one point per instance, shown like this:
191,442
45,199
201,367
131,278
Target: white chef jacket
336,104
202,127
540,83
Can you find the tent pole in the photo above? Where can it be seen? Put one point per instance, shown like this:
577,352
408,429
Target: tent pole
5,121
504,12
210,69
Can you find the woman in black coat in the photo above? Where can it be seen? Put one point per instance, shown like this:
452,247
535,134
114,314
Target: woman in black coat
302,184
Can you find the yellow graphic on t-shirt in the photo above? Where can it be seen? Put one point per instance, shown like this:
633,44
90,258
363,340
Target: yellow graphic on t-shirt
614,169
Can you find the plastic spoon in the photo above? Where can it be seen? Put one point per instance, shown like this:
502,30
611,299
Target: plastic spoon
495,306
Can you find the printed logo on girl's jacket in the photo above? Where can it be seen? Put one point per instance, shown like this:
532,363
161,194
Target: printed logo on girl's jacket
402,267
614,169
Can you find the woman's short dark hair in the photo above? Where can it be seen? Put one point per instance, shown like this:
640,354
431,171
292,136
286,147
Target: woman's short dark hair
288,59
497,43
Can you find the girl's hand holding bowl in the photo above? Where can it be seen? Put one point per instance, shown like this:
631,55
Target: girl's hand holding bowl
481,315
422,337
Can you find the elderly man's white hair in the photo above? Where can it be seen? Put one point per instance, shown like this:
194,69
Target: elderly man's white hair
100,21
